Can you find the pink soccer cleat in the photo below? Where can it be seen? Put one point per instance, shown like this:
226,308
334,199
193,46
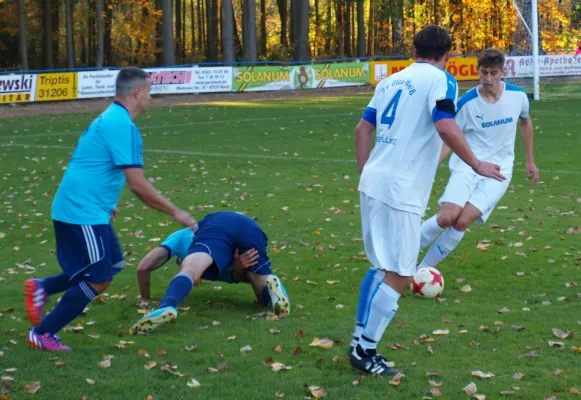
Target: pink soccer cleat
35,300
46,342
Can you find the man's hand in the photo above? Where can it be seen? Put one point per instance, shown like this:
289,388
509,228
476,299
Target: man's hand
185,219
114,214
489,170
246,260
532,172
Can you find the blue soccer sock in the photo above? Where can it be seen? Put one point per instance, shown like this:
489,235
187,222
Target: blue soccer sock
368,286
177,290
70,307
56,283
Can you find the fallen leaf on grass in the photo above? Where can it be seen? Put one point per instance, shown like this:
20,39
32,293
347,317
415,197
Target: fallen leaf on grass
212,370
278,348
358,380
481,374
232,337
558,344
223,366
395,380
161,352
104,364
518,375
150,364
90,381
59,363
478,396
470,388
507,393
300,334
297,351
531,354
436,392
191,348
245,349
193,383
324,343
276,366
503,310
32,387
574,391
441,332
434,383
562,335
94,335
558,372
466,289
274,331
316,391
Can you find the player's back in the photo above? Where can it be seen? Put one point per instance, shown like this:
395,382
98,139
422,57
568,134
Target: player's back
403,162
240,229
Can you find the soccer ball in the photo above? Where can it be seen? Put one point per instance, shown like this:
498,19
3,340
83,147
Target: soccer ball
428,282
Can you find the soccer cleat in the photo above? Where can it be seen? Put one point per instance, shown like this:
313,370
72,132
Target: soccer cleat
153,320
46,341
35,300
278,295
376,365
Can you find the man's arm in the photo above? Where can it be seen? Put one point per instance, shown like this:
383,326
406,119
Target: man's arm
152,261
363,142
527,132
149,195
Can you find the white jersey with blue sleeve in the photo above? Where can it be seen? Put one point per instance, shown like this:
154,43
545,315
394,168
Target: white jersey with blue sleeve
178,243
490,129
404,109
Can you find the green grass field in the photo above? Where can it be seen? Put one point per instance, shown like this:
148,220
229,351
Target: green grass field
290,163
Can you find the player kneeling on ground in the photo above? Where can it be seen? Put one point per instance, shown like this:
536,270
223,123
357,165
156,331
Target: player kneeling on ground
210,254
488,115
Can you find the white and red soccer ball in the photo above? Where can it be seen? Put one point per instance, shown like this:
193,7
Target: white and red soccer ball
428,283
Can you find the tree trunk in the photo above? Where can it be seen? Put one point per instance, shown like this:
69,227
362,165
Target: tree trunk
436,7
249,30
302,43
328,27
397,27
169,55
200,31
347,37
193,28
263,36
371,30
100,33
55,34
91,34
178,30
204,27
184,8
107,43
339,28
360,29
317,28
211,23
283,22
294,17
70,42
47,37
237,42
23,42
228,31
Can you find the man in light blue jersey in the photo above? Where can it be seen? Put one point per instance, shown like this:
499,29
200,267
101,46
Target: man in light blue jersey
107,154
211,254
413,111
489,115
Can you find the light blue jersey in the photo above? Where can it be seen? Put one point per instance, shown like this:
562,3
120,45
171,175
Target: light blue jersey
94,178
177,243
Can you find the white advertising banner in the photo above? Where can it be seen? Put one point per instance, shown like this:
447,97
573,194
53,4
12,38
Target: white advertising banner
97,84
17,88
554,65
212,79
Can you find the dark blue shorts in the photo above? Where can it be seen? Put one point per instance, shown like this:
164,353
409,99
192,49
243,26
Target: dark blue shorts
219,234
88,252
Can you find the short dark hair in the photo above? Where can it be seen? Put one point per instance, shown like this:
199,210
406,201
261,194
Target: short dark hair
432,42
491,58
129,79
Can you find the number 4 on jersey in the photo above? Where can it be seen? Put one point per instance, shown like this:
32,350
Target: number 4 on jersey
388,116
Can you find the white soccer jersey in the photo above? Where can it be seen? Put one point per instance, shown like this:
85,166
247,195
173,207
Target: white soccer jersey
490,129
402,165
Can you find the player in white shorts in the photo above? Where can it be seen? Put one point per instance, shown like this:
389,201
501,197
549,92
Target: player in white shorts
413,111
488,115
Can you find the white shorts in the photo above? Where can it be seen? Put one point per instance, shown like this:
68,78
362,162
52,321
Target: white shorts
391,236
483,193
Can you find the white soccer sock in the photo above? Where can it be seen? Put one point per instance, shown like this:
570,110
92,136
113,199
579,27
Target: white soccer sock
368,286
430,230
383,308
440,249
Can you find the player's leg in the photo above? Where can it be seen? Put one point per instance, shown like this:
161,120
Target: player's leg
438,223
192,269
372,278
84,253
458,191
392,244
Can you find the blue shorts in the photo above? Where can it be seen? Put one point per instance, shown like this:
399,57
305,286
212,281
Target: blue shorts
220,234
88,252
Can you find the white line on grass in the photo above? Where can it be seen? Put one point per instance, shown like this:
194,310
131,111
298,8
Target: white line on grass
247,156
193,123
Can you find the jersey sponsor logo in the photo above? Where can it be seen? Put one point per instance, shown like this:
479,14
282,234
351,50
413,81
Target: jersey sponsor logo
503,121
480,117
386,140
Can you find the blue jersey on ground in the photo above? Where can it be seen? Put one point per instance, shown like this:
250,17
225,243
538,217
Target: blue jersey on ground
94,178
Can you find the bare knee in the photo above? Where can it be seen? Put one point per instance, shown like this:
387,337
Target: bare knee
99,287
397,282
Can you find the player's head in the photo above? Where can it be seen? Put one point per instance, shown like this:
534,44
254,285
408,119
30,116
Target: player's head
490,67
433,43
132,88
